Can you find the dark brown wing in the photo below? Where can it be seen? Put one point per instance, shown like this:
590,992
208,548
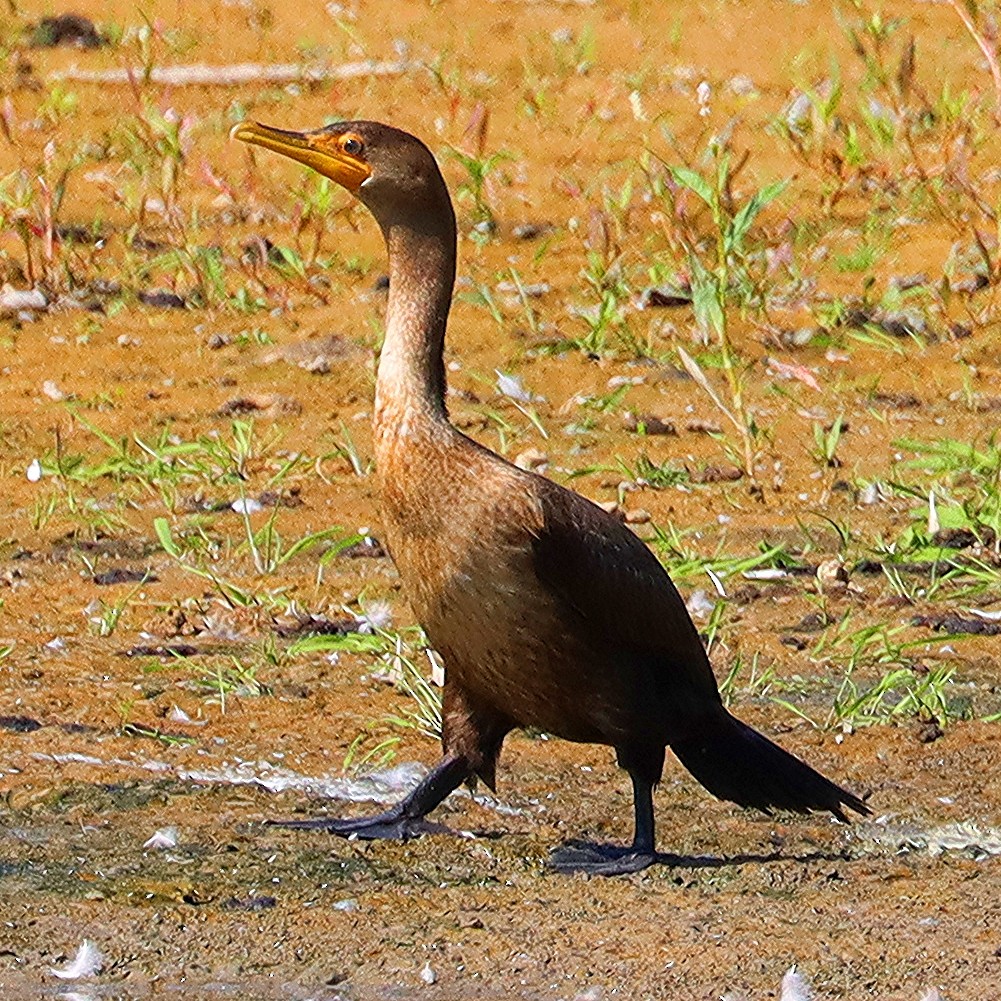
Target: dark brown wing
616,593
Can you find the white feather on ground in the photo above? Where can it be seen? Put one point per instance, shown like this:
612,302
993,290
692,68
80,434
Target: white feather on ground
86,963
795,987
165,837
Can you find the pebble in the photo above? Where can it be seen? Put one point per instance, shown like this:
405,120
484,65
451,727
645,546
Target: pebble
246,505
532,460
13,300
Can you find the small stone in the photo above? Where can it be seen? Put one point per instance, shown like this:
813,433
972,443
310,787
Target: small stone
73,30
427,975
531,230
717,474
13,300
637,516
703,427
532,460
870,494
905,282
246,505
665,297
648,424
832,575
161,299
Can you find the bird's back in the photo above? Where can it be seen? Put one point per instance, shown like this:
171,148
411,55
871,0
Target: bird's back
542,605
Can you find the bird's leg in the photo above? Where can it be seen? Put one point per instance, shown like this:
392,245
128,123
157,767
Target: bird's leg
610,860
643,836
406,819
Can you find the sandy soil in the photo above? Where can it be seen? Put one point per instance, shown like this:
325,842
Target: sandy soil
156,698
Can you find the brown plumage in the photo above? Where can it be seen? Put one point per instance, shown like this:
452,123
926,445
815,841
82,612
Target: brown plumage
546,610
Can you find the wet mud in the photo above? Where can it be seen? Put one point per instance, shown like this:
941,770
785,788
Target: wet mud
200,630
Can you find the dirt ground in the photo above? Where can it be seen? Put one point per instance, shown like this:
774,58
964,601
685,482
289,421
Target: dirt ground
204,346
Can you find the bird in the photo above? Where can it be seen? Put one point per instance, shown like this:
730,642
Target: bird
547,611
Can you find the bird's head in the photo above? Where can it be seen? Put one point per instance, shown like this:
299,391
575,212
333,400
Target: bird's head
390,171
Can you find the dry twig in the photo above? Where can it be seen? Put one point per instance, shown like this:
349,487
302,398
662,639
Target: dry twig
233,75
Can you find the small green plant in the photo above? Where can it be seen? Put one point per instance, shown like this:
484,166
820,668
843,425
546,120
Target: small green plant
826,441
106,617
475,187
659,476
720,274
233,680
266,546
898,694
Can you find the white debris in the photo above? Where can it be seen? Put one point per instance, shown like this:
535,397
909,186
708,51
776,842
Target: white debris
375,616
437,669
963,836
980,613
427,975
702,94
57,643
795,987
165,837
797,113
717,583
636,106
34,471
51,389
86,963
933,522
246,505
178,715
512,387
384,786
768,573
13,300
871,493
532,460
699,604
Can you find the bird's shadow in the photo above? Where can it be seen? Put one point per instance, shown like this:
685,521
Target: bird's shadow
579,846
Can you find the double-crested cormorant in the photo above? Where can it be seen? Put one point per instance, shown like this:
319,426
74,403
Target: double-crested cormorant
547,611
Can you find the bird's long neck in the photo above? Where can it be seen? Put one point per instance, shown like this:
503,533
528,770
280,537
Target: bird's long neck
410,389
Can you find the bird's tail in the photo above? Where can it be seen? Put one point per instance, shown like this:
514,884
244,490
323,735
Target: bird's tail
735,762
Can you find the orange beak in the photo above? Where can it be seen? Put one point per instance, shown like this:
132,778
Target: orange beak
319,150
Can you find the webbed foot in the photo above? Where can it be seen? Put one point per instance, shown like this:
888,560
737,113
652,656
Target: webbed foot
599,860
387,826
407,819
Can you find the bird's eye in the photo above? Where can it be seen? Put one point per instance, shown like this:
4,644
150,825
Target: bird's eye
352,146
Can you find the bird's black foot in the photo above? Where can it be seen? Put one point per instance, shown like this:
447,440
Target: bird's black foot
599,860
407,819
387,826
